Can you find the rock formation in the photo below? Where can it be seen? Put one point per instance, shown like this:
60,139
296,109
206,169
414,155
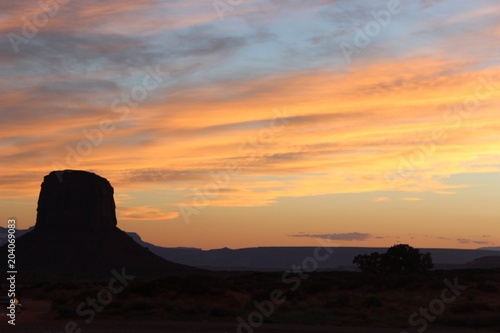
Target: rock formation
75,200
76,233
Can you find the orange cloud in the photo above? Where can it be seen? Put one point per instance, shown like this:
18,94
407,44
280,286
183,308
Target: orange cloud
144,214
412,199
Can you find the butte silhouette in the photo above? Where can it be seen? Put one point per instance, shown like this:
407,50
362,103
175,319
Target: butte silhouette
76,233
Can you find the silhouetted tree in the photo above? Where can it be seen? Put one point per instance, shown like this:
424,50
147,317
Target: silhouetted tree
426,262
398,258
368,262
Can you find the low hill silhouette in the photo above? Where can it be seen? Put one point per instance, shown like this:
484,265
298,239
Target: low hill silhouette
485,262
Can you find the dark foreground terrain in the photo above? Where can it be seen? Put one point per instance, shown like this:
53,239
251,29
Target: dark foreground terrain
194,327
440,301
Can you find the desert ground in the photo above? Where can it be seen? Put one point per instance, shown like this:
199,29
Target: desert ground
40,320
323,302
196,327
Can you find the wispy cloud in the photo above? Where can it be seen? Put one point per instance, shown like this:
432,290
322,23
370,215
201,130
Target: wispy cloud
471,241
144,214
351,236
412,199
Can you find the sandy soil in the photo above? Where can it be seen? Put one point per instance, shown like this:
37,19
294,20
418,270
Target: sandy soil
36,319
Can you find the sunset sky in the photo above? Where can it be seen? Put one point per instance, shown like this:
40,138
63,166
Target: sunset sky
260,123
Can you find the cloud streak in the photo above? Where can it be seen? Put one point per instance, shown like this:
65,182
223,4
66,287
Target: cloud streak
350,236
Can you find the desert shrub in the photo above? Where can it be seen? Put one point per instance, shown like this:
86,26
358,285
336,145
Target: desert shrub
261,295
222,312
371,301
349,285
398,282
311,316
191,310
400,258
436,285
139,305
339,301
63,307
487,287
69,285
316,287
470,308
296,296
491,320
201,285
144,289
414,286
